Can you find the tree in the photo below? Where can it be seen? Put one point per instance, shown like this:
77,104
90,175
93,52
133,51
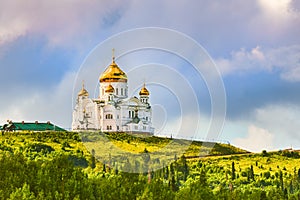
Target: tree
166,172
267,174
183,167
281,180
263,195
146,159
203,180
23,193
232,171
252,173
264,153
104,168
285,193
172,181
291,187
93,160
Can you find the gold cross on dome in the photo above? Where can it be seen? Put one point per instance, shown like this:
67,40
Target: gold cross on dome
113,54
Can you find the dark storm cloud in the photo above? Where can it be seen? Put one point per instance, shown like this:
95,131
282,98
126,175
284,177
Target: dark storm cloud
245,93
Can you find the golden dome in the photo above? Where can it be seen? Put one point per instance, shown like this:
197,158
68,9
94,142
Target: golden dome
113,74
110,89
83,91
144,91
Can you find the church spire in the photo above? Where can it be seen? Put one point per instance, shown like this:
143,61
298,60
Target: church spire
113,55
83,91
82,84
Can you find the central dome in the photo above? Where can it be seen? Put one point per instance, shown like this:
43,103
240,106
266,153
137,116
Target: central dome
113,74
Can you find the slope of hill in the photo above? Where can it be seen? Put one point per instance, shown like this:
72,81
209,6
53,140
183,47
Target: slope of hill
72,142
58,165
138,143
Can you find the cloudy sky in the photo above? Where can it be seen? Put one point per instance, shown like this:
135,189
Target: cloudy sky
255,45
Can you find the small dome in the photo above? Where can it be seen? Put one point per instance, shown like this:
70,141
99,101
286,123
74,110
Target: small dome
83,91
144,91
113,74
110,89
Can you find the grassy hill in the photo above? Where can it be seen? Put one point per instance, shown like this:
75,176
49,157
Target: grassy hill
74,142
138,143
49,165
125,148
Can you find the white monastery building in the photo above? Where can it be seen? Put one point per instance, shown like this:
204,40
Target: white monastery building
113,111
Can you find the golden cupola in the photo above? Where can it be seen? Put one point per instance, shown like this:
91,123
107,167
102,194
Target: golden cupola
83,91
109,89
144,91
113,73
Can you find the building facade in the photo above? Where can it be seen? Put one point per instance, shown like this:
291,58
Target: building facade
113,111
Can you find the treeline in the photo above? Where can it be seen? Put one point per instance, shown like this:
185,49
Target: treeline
60,178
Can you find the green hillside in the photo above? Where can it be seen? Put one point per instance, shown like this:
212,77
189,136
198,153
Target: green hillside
52,143
67,165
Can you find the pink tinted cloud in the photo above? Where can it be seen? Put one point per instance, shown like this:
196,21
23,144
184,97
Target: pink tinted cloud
61,22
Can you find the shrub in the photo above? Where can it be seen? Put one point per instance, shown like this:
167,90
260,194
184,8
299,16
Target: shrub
267,174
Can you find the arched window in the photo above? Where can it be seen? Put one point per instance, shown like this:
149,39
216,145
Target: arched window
109,127
122,91
109,116
117,91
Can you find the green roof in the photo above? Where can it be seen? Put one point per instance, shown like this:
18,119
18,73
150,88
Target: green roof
35,126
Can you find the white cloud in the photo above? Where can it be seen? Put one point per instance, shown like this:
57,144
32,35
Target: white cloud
215,24
282,121
258,139
243,61
283,59
272,127
275,9
61,22
52,104
295,6
275,21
